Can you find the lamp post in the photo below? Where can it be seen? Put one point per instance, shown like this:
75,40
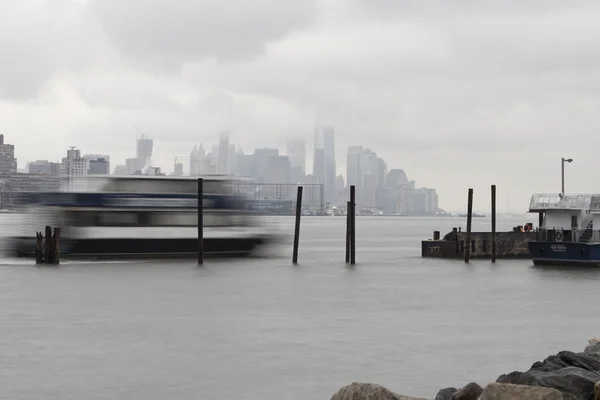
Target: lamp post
562,173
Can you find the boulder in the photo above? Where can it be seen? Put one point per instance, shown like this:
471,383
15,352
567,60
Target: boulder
446,394
573,382
368,391
502,391
566,359
470,392
513,378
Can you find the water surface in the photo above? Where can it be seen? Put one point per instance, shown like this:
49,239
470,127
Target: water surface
264,329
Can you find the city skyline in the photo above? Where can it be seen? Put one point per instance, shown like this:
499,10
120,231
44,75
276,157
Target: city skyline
449,90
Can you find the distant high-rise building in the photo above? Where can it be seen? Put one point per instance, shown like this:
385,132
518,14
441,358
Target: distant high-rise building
324,165
43,167
223,167
396,178
143,155
8,162
382,171
260,161
73,169
144,148
319,169
96,157
178,169
296,151
354,173
277,173
73,164
98,166
197,159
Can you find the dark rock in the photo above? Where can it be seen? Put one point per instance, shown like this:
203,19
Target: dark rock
566,359
446,394
574,382
470,392
368,391
513,378
497,391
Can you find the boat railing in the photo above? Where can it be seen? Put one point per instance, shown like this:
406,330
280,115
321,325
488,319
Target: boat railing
568,235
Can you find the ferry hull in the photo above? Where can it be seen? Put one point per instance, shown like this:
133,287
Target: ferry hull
143,248
565,253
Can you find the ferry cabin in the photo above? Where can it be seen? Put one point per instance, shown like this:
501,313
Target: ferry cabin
137,201
568,217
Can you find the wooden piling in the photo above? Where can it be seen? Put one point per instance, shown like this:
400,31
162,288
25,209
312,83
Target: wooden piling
348,208
55,254
493,223
353,225
39,248
200,221
297,226
469,217
47,243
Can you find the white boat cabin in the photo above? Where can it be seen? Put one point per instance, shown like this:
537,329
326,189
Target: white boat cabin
569,212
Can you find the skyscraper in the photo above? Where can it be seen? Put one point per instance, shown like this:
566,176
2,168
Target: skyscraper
354,173
97,165
8,162
144,152
324,165
197,157
223,167
73,168
296,151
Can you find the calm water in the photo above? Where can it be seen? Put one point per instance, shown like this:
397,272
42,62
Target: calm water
264,329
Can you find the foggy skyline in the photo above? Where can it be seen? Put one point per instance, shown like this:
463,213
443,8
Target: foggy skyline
462,94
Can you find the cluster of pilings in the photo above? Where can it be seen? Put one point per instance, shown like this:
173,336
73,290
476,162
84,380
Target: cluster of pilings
47,246
350,227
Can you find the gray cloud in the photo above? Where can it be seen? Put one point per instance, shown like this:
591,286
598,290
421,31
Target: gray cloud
167,33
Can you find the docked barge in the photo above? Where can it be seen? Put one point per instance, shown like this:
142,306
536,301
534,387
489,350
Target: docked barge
141,217
509,245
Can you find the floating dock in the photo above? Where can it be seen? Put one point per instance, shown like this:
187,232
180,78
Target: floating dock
508,244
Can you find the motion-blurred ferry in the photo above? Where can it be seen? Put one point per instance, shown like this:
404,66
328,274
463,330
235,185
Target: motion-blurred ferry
141,217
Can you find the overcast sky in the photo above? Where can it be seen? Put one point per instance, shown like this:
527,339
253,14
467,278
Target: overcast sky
459,94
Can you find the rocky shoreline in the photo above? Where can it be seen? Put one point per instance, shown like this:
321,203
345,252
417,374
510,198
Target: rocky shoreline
563,376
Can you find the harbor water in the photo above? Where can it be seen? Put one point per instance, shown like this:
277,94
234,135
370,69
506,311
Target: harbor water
263,329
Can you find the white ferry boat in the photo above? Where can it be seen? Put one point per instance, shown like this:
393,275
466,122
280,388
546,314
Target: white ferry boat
568,233
141,217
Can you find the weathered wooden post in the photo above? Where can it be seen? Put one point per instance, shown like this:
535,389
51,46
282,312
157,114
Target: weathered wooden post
353,225
297,226
55,254
39,248
47,243
493,223
469,216
348,209
200,221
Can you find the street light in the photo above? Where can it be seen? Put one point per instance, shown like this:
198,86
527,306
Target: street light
562,173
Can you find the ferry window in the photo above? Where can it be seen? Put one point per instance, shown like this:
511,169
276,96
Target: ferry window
118,218
574,221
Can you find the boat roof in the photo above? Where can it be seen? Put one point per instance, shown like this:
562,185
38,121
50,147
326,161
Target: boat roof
543,202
